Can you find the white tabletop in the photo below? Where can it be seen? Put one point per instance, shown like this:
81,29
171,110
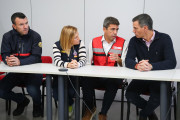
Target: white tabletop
176,76
96,71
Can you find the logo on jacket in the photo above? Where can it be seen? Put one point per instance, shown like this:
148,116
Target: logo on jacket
75,54
40,44
117,48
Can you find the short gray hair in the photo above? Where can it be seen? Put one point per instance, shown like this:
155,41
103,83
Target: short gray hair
110,20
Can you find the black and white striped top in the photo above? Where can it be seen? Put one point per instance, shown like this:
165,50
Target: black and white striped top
60,63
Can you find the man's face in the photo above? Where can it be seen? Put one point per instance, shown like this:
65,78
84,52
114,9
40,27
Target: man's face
110,33
21,26
138,30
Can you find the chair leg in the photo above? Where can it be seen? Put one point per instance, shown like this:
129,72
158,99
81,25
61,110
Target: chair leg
23,90
128,110
174,98
42,98
137,111
9,107
55,102
122,102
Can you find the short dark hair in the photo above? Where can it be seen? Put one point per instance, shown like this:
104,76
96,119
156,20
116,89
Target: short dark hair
15,15
144,19
110,20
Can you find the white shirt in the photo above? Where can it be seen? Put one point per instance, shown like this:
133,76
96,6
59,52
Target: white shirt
107,46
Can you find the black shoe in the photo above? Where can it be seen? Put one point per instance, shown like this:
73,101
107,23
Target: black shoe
153,116
20,107
37,111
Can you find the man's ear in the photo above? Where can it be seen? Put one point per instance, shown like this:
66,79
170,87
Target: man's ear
104,28
146,27
14,26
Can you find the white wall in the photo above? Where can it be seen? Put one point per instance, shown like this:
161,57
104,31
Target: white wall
49,16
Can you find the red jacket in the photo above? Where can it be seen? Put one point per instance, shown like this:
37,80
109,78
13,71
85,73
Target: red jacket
99,56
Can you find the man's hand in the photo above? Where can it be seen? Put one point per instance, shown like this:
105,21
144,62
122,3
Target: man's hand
73,64
144,65
116,57
12,61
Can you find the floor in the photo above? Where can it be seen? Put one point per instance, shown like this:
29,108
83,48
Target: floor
113,114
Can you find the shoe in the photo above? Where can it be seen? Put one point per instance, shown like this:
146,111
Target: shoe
37,110
20,107
88,115
153,116
102,117
71,110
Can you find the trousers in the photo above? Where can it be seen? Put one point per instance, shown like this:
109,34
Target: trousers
109,84
31,81
138,87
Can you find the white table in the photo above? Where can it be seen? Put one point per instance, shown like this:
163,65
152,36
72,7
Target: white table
94,71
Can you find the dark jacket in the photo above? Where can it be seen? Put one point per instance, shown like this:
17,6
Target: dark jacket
28,48
73,53
160,53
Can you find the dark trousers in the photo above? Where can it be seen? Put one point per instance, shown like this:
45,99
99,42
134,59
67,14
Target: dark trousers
71,92
138,87
31,81
110,85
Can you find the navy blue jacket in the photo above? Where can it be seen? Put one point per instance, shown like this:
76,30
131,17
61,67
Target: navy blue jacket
160,53
73,53
28,48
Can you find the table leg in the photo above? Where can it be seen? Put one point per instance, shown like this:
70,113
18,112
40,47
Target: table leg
61,101
66,100
178,102
49,97
77,101
164,100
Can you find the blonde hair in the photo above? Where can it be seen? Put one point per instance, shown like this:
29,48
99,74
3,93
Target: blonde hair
66,38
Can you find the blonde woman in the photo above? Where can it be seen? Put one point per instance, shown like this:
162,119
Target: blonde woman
69,52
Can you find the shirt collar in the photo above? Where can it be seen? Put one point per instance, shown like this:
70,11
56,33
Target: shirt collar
152,38
103,39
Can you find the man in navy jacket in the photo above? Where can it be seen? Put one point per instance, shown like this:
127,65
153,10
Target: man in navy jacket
21,46
148,50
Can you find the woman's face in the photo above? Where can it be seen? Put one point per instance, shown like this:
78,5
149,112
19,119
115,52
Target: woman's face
76,39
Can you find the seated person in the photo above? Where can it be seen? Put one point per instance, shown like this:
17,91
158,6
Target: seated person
21,46
104,50
69,52
153,51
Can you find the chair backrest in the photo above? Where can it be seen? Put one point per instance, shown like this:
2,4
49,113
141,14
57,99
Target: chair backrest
0,61
46,59
0,58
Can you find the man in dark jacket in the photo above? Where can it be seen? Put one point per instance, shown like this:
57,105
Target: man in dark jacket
148,50
21,46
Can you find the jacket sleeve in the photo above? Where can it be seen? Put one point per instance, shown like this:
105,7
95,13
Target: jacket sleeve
5,48
82,55
169,61
35,56
130,60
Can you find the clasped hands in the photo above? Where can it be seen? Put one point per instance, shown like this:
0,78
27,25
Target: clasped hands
12,61
114,57
73,64
144,65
